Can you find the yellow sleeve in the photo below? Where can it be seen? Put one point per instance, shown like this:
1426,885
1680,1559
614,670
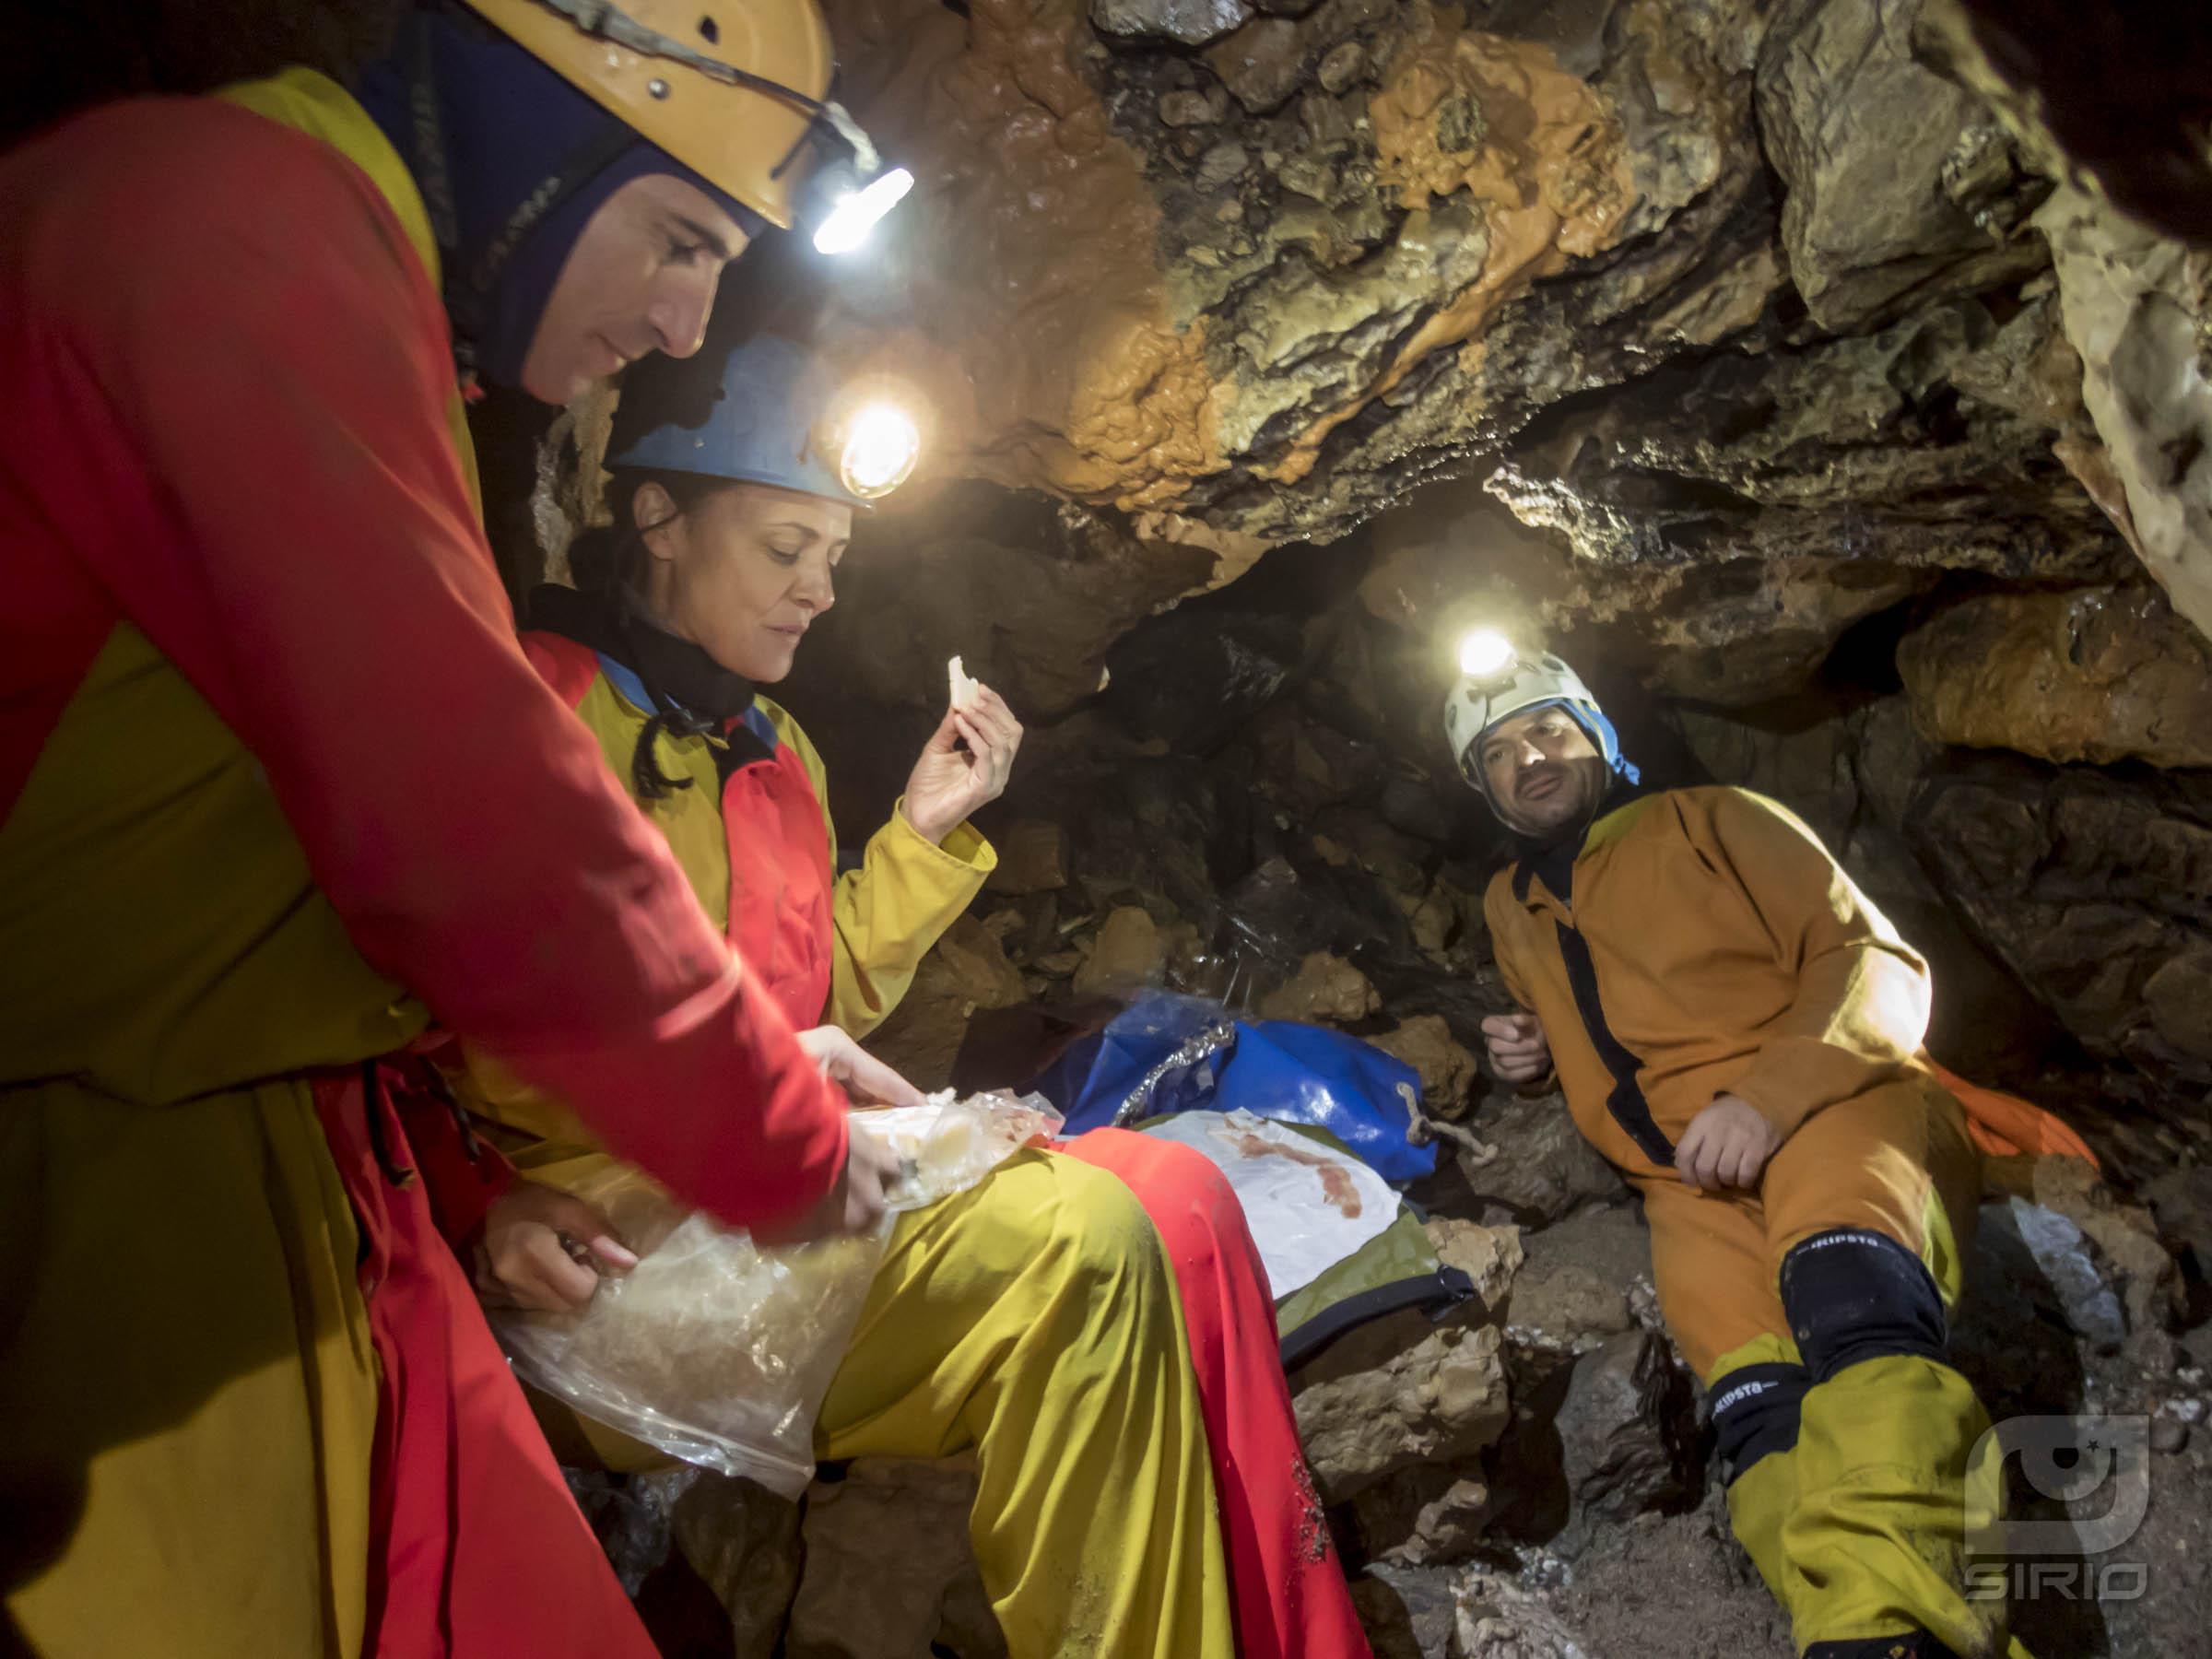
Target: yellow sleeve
890,910
1863,994
887,914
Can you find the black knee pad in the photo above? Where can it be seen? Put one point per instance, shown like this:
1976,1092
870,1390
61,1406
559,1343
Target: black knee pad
1918,1645
1852,1294
1755,1412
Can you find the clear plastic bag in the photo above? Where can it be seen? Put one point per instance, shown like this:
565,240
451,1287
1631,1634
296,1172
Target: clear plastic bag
719,1351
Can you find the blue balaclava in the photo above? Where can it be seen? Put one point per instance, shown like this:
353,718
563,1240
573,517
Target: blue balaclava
513,162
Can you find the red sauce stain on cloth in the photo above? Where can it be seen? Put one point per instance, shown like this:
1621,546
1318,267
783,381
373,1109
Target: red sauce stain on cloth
1335,1180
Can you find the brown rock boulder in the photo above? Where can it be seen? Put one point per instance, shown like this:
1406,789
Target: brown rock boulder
1363,1416
2098,674
1327,990
1032,858
1488,1255
1127,952
1545,1169
744,1541
1899,181
1448,1070
889,1571
2179,997
2125,1235
1580,1284
1625,1430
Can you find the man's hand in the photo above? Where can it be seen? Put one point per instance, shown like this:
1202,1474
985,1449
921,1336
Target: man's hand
854,1204
865,1079
949,783
532,1239
1725,1145
1519,1051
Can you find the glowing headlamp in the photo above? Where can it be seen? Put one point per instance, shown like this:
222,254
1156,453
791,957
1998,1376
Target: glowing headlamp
855,212
844,199
876,449
1486,656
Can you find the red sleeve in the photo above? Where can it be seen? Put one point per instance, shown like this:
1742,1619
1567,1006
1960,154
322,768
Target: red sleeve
242,371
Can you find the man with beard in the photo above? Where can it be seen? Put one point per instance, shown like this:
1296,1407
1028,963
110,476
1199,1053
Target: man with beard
1738,1030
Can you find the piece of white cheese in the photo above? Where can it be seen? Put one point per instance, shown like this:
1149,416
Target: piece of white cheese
963,688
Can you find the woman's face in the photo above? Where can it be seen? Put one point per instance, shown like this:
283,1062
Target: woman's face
743,574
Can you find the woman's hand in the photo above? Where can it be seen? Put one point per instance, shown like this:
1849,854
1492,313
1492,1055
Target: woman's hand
949,783
546,1250
865,1079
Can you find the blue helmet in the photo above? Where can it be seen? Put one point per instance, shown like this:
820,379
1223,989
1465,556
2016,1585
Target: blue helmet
774,418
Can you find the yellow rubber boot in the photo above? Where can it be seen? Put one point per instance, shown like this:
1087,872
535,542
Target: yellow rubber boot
1875,1542
1756,1391
1760,1501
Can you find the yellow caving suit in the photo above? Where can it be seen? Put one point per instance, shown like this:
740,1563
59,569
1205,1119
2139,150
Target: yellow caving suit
1718,949
1032,1318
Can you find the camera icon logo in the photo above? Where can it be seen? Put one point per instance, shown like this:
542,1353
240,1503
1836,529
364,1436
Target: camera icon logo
2066,1459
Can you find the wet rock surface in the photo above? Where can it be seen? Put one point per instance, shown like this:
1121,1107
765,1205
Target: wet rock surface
2098,674
1371,1406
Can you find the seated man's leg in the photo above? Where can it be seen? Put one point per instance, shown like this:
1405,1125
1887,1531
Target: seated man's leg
1034,1318
1284,1579
1869,1208
1716,1288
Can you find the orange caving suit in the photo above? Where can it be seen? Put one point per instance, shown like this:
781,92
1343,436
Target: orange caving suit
276,784
1701,942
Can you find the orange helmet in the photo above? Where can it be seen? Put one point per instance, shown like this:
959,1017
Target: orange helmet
734,89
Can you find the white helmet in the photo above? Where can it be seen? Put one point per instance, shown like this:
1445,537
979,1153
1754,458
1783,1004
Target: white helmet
1502,684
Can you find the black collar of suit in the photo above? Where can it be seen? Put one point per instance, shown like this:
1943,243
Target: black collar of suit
1554,859
679,677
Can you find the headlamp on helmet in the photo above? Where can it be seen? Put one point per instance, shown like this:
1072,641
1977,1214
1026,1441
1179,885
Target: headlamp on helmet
778,414
1486,656
873,446
843,210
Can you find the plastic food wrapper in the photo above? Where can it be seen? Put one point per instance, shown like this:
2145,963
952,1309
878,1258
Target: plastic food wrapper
719,1351
1309,1205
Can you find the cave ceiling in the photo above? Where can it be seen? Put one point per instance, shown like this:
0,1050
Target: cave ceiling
1687,286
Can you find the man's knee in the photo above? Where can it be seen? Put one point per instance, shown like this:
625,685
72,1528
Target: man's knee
1852,1293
